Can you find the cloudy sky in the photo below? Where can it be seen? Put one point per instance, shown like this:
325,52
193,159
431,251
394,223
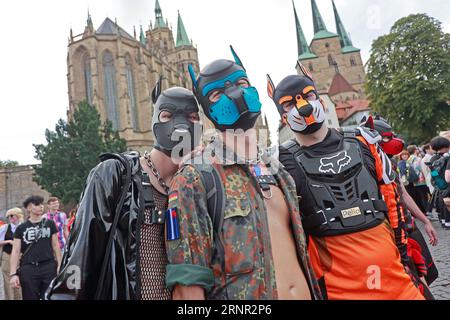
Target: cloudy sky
33,35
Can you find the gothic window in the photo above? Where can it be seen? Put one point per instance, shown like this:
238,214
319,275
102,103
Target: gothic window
87,77
189,55
131,92
327,45
110,88
311,67
353,61
330,60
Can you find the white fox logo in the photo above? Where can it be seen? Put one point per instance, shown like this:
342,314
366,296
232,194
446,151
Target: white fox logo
339,161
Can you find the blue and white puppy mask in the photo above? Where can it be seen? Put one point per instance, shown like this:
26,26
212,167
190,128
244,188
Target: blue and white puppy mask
238,107
307,115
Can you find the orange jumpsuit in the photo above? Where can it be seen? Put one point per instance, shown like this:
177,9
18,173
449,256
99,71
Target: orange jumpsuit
366,265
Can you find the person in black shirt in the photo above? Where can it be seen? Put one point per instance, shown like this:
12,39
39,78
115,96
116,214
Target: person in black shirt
37,241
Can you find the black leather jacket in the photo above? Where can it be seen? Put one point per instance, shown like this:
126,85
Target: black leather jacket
86,249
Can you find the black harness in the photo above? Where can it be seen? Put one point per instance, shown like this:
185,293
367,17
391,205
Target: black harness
345,197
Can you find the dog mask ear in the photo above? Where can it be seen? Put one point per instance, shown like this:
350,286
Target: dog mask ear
236,58
193,77
304,71
157,90
270,87
368,122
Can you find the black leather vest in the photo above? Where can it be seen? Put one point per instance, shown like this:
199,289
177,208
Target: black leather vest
346,197
9,235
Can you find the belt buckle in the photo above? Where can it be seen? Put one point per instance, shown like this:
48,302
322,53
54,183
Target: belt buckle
324,217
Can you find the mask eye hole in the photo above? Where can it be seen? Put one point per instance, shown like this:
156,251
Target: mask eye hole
165,116
311,96
287,106
243,83
298,97
215,95
194,117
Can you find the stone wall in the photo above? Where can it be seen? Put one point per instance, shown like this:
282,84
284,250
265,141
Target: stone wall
15,185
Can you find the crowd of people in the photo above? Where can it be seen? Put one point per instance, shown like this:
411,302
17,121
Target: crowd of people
330,216
424,173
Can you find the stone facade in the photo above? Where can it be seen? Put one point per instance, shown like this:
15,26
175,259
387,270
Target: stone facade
330,59
16,184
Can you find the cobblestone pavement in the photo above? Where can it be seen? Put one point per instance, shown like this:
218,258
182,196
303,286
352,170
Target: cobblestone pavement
441,255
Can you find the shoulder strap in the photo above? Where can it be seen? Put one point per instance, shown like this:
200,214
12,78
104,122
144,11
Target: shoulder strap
215,199
41,225
215,196
125,186
292,146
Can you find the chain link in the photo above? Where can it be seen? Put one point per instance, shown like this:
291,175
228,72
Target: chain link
155,172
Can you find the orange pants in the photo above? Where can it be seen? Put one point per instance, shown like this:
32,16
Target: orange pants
362,266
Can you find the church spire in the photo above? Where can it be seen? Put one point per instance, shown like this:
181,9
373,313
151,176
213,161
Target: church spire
182,37
320,30
89,29
89,21
346,42
142,38
303,49
319,25
159,20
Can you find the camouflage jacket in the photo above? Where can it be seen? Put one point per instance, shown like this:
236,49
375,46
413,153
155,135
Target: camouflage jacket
249,268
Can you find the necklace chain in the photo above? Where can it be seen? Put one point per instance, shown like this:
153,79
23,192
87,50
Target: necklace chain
155,172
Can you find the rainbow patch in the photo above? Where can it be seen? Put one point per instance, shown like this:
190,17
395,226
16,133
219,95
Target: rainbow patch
173,198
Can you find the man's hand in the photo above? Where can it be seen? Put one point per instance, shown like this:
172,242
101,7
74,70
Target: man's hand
14,282
432,234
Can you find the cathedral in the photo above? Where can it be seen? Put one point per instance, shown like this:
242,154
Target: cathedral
116,72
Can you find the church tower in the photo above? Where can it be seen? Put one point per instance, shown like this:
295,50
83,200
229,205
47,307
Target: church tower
334,62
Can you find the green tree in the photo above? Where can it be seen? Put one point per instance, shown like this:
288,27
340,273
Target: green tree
8,164
409,77
72,150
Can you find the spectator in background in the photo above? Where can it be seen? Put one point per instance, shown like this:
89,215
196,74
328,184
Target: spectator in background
60,220
15,217
429,153
417,186
37,241
440,167
72,215
401,167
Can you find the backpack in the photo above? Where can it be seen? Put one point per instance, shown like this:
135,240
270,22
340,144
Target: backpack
437,170
215,201
411,174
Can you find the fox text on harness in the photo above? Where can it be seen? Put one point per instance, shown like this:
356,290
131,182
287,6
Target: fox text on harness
172,227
